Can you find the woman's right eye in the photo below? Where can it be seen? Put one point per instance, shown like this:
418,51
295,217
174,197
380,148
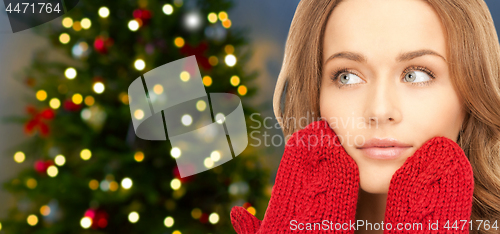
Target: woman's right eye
347,78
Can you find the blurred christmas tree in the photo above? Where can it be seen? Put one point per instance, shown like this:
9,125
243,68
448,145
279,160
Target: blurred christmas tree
91,174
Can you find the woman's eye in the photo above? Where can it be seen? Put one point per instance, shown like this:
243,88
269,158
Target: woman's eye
417,76
349,78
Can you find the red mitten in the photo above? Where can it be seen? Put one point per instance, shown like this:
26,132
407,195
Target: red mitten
316,187
434,185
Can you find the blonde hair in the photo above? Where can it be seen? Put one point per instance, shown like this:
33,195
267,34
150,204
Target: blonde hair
474,55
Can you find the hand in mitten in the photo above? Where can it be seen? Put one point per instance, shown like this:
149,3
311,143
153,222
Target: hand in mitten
316,181
435,184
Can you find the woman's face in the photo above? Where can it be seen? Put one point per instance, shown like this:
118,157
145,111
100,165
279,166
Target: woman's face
385,75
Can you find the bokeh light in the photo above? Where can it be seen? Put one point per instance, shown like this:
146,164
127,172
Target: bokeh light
175,152
127,183
223,16
19,157
103,12
32,220
77,98
230,60
139,64
235,81
70,73
64,38
179,42
89,100
242,90
86,222
168,9
212,17
98,87
175,184
138,114
52,171
86,23
94,184
186,120
41,95
45,210
67,22
60,160
54,103
85,154
169,221
133,25
201,105
213,218
133,217
207,81
185,76
139,156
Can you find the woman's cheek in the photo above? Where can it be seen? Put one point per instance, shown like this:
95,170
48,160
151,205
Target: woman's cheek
439,116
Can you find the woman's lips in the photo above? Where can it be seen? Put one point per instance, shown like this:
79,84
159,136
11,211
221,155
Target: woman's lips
384,148
384,153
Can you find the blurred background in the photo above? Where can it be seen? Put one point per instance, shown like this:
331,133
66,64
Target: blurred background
109,194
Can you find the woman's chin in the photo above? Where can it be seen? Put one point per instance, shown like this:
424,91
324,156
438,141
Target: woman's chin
370,188
371,185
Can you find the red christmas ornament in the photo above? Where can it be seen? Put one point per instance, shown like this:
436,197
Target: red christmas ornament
38,120
41,166
142,16
246,205
99,218
204,218
199,52
71,106
137,13
101,44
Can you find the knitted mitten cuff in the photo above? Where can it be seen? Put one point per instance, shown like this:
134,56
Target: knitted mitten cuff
243,221
316,187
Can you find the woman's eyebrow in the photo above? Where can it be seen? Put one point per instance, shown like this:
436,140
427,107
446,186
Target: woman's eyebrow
401,58
348,55
414,54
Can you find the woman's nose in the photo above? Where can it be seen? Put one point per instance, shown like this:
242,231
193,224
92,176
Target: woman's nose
383,103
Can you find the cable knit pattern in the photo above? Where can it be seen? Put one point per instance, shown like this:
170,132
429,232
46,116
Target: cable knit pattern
436,183
317,180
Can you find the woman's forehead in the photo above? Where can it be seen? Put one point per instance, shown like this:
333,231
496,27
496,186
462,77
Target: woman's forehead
383,27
